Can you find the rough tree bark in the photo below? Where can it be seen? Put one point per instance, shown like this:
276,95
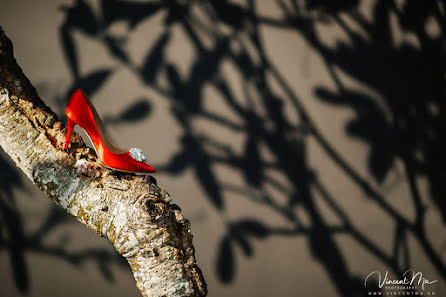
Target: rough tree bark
131,211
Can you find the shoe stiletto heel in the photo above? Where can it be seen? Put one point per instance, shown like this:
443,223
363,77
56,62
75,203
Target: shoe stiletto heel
69,131
80,111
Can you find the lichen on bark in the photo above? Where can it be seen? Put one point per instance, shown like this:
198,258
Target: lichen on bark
131,211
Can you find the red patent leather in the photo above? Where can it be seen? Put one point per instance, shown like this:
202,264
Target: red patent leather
79,112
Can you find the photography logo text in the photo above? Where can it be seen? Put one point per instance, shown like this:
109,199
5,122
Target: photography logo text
411,283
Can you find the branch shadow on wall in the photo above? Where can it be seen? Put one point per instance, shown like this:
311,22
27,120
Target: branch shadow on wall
404,120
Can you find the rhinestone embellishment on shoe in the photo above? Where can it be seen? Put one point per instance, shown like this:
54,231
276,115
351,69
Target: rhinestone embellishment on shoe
136,153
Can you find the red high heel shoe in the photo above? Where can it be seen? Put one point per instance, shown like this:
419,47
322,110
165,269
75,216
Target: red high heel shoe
80,111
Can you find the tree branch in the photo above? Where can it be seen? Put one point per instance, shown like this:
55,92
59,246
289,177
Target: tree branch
129,210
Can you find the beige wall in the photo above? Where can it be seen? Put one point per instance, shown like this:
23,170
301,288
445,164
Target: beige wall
281,265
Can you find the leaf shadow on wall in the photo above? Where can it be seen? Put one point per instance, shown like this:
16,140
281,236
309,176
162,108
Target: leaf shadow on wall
403,121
